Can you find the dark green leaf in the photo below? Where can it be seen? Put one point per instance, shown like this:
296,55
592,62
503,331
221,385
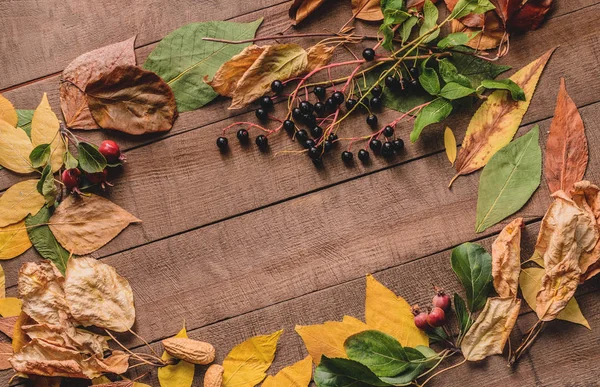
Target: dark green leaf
24,120
437,335
70,161
435,112
476,69
40,155
413,370
429,80
46,186
336,372
44,241
466,7
183,59
509,179
382,353
392,4
473,267
505,84
450,73
391,17
462,314
454,90
407,27
90,159
456,39
430,17
431,357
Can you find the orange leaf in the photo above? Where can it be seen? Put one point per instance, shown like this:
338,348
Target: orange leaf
369,10
300,9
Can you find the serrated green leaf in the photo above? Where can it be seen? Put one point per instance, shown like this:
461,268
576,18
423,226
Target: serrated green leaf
449,73
24,120
466,7
183,59
40,155
337,372
435,112
382,353
453,90
509,179
516,92
429,80
430,17
44,241
473,267
476,69
90,159
70,161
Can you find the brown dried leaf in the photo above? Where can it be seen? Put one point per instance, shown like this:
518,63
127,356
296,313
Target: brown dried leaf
132,100
566,150
318,56
300,9
67,337
84,69
369,10
530,16
5,353
98,296
83,224
226,79
7,325
19,337
506,8
491,36
506,259
192,351
587,197
491,330
558,287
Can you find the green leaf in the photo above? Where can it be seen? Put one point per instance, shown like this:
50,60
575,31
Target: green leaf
456,39
429,80
46,186
407,27
90,159
429,354
462,314
391,17
473,267
337,372
44,241
453,90
40,155
183,59
435,112
430,17
392,5
476,69
516,92
509,179
70,161
24,120
466,7
414,369
449,73
382,353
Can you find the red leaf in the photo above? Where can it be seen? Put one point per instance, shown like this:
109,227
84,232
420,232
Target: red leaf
530,16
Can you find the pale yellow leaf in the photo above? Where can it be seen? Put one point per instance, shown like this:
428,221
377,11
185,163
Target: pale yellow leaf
450,144
318,56
14,240
176,375
298,374
506,259
391,314
10,307
530,281
15,148
101,380
41,289
247,363
328,338
18,201
8,112
45,130
558,287
489,333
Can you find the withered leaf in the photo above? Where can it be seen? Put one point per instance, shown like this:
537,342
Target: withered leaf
558,287
300,9
506,259
369,10
67,337
5,353
491,36
83,224
318,56
7,326
488,335
227,77
132,100
418,4
530,15
587,197
506,8
567,149
98,296
83,70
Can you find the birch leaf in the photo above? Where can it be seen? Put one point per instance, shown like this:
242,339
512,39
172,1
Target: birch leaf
10,307
508,180
8,112
489,333
298,374
13,240
247,363
176,375
369,10
506,259
83,224
566,149
15,148
391,314
450,144
44,241
45,130
496,121
18,201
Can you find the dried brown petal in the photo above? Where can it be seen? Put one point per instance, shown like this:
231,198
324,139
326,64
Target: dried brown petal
214,376
369,10
192,351
506,259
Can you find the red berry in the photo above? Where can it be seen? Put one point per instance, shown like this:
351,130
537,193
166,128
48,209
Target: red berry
421,321
441,300
70,178
436,317
98,177
110,150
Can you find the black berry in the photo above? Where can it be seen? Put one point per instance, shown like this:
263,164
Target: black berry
375,103
330,105
289,126
338,97
266,103
306,107
376,91
368,54
388,131
301,135
414,84
309,143
309,120
363,155
297,114
243,136
413,71
320,109
332,137
320,92
262,142
327,145
375,145
387,149
406,84
398,144
222,143
392,83
347,157
314,152
316,131
372,120
276,86
261,114
351,103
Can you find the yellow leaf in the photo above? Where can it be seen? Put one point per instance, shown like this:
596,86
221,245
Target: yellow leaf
391,314
497,120
14,240
100,380
450,144
15,148
10,307
18,201
19,338
45,130
318,56
176,375
8,112
2,283
247,363
298,374
369,10
506,259
530,281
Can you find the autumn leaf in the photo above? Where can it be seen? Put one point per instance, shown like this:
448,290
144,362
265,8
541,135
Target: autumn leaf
587,197
506,259
7,325
369,10
44,241
298,374
18,201
45,130
8,112
491,36
15,148
328,338
180,374
489,333
558,287
566,149
19,338
496,121
301,9
2,283
530,15
318,56
450,145
247,363
391,314
132,100
13,240
5,353
84,69
10,307
83,224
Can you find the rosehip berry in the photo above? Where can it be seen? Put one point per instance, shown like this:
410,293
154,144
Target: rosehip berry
388,131
320,92
222,143
351,103
347,157
70,178
243,136
368,54
421,321
372,120
338,97
376,91
110,150
436,317
262,142
266,103
441,300
277,86
306,107
98,177
316,131
363,155
262,114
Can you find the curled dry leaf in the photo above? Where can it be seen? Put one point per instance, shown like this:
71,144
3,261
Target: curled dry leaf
300,9
491,36
132,100
67,337
98,296
192,351
558,287
83,224
213,377
18,201
84,69
587,197
15,148
45,130
8,112
13,240
496,121
369,10
488,335
567,149
297,375
180,374
506,259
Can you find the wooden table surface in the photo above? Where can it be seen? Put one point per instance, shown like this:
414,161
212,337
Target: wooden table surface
249,243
